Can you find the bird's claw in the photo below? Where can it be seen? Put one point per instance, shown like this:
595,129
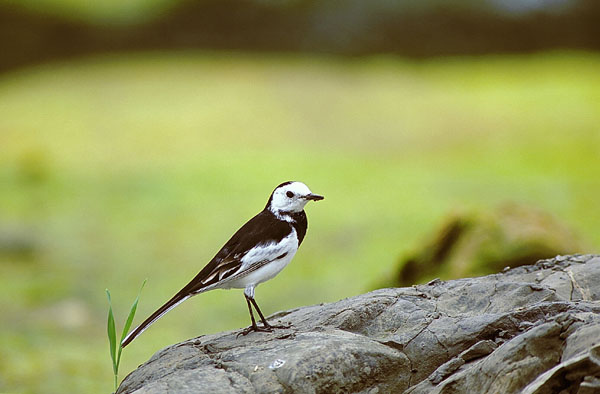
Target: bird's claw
265,328
250,329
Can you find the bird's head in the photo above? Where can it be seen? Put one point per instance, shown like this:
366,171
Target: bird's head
291,197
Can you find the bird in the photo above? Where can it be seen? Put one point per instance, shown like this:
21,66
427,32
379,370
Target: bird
257,252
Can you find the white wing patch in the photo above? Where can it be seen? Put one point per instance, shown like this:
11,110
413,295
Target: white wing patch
223,273
221,270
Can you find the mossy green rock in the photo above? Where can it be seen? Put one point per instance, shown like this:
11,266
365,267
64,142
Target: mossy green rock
484,243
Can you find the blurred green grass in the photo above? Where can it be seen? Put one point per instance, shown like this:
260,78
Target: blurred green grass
127,167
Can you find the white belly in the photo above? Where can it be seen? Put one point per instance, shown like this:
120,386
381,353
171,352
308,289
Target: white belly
287,246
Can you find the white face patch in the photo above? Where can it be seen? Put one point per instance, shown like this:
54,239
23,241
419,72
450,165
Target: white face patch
290,197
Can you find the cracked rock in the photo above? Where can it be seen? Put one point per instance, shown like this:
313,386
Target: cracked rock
533,329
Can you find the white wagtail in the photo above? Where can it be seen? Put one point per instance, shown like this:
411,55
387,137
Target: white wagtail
257,252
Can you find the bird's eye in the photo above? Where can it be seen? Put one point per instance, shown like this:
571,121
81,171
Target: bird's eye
289,194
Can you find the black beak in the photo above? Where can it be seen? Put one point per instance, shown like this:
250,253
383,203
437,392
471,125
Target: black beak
314,197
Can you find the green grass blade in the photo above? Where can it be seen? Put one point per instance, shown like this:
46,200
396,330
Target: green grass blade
112,334
132,313
128,323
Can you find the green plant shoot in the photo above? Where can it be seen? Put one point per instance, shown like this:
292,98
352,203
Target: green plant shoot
116,349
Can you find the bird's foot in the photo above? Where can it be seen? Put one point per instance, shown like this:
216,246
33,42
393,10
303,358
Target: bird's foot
264,328
248,330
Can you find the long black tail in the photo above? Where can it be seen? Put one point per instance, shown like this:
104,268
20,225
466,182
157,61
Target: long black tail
172,303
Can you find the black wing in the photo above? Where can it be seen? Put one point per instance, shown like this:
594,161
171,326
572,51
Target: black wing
262,228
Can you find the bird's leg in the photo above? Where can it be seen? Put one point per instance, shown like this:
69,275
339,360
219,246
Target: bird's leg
254,326
264,321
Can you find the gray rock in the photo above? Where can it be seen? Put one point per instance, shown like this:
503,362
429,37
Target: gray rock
534,328
480,349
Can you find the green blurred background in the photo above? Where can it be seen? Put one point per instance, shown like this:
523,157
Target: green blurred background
137,136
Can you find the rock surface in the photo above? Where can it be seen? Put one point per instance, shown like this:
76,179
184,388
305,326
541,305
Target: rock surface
534,329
